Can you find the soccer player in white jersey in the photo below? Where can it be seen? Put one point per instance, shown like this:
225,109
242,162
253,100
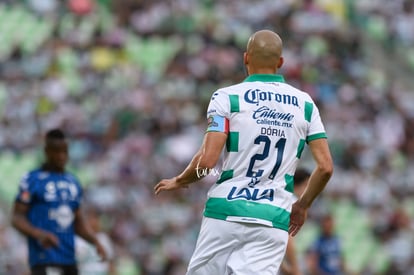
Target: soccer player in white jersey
262,124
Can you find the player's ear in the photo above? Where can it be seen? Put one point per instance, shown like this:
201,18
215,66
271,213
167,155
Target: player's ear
245,58
280,63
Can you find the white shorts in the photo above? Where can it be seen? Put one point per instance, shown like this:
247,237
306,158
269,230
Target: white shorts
231,248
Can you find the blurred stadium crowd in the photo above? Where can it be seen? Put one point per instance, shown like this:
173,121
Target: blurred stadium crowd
130,82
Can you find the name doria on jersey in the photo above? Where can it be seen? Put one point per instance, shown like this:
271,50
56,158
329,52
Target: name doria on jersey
254,96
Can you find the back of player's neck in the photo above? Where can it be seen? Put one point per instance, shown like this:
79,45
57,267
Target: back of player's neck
262,71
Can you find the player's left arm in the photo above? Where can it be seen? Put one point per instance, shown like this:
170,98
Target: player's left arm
206,158
83,230
317,182
312,259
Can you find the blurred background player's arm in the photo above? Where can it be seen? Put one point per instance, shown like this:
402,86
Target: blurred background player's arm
312,259
290,264
21,223
84,231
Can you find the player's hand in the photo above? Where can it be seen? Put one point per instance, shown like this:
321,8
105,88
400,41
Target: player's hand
297,218
47,239
101,251
168,184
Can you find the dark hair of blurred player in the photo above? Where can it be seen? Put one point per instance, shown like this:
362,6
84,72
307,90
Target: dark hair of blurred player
56,151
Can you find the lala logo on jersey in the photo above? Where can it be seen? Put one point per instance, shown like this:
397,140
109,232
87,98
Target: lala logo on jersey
251,194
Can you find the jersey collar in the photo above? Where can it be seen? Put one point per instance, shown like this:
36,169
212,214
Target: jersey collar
265,78
45,167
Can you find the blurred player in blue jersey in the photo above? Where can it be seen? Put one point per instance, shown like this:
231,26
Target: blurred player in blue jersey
47,210
325,255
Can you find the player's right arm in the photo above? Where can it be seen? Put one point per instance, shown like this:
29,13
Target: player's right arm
209,153
317,181
20,222
206,158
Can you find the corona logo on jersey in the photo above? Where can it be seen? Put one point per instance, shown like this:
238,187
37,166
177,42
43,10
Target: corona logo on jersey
254,96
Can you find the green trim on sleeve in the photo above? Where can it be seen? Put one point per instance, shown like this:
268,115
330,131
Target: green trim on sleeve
316,136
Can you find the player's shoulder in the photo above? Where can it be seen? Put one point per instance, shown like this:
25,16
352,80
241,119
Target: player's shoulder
33,174
248,86
242,86
233,88
296,91
72,177
30,178
223,94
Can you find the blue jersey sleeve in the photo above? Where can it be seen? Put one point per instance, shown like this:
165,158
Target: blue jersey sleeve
25,192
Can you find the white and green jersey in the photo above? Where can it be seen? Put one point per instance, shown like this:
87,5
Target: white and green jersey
268,123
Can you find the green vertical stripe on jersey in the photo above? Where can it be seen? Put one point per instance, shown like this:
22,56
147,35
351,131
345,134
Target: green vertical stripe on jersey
301,146
308,111
221,208
225,175
289,183
234,103
232,142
